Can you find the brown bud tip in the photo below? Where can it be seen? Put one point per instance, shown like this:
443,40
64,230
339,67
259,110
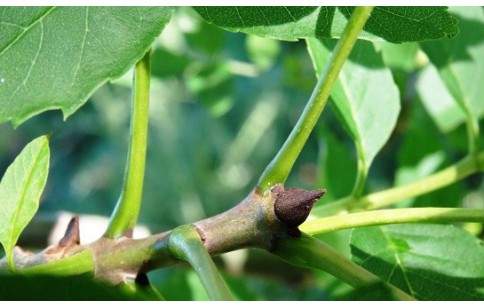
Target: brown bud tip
293,205
72,235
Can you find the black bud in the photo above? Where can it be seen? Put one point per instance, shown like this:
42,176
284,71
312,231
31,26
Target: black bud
293,205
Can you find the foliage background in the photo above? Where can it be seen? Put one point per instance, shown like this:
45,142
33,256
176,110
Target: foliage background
220,109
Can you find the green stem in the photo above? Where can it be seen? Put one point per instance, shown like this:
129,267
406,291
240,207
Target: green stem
127,209
185,244
278,169
79,263
393,216
308,252
472,133
362,172
467,166
456,89
11,262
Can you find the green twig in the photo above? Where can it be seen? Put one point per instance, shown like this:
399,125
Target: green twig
362,171
11,262
185,244
79,263
308,252
278,169
393,216
467,166
127,209
472,133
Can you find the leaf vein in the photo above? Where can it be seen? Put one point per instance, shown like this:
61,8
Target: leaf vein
240,17
24,82
39,20
289,13
83,48
264,15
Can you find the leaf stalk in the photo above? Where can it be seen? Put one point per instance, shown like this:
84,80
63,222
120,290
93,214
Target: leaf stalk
279,168
126,212
392,216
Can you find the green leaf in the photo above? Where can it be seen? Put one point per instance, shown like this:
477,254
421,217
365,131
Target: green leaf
394,24
365,97
336,157
20,190
400,56
431,262
460,61
439,103
378,291
409,23
262,52
55,57
421,154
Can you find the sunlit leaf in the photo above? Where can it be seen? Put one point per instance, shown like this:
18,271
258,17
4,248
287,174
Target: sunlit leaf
430,262
365,97
439,103
460,61
55,57
401,56
20,190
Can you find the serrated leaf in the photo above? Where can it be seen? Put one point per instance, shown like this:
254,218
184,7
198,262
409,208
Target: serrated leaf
431,262
394,24
365,97
20,190
55,57
460,61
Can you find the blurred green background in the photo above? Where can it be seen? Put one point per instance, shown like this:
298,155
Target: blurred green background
220,109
